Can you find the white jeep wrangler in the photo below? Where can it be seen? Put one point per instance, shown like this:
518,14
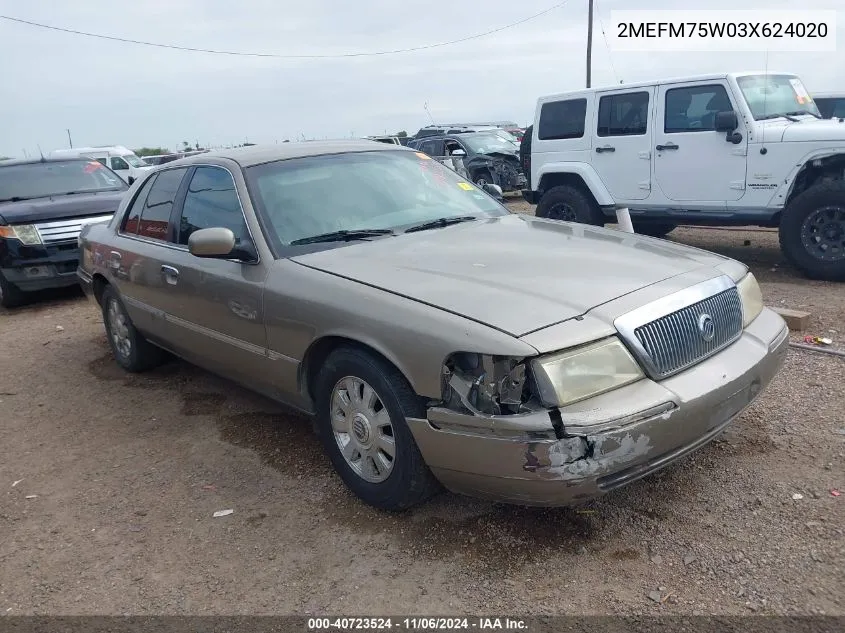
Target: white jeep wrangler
735,149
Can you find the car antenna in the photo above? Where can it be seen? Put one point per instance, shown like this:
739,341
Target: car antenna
42,153
763,149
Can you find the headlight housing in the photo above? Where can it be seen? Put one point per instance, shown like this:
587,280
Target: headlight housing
751,297
583,372
26,233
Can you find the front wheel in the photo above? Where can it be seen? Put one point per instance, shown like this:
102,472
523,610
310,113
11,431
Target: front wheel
812,231
483,178
569,204
362,403
10,295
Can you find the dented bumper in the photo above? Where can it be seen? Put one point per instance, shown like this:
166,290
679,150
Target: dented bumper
595,446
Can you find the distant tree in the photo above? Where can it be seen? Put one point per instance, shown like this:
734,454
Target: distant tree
402,134
152,151
186,146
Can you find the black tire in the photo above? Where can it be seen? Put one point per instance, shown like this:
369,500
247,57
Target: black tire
812,231
142,355
10,295
482,178
654,229
409,481
569,204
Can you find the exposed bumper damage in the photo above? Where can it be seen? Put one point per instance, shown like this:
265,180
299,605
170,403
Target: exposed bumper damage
561,456
504,169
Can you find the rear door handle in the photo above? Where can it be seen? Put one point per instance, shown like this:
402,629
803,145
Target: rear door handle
605,148
660,148
171,274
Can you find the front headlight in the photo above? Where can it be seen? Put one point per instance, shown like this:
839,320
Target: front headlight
751,297
583,372
26,233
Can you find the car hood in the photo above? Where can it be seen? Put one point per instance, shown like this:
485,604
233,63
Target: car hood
516,273
60,207
814,130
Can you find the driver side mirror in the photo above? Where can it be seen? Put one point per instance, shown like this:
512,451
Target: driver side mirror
220,243
458,152
726,121
494,190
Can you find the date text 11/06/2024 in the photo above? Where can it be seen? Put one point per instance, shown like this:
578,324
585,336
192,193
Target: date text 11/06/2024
418,624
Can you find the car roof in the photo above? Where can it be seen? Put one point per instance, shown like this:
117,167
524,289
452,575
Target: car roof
259,154
657,82
46,159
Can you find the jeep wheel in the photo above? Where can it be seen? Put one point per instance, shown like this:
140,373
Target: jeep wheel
812,231
654,229
10,295
569,204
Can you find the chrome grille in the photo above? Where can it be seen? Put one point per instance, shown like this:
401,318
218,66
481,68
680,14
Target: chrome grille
676,341
66,230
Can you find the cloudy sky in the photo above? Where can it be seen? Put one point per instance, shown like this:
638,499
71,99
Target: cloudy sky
116,93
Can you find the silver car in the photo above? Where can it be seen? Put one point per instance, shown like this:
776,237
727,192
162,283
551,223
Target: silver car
437,338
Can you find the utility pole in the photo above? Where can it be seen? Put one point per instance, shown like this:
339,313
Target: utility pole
70,142
589,42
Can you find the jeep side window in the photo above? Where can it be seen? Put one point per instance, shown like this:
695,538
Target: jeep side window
831,107
562,119
623,114
118,164
694,109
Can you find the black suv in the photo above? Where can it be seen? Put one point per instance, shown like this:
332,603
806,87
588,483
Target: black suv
488,158
43,206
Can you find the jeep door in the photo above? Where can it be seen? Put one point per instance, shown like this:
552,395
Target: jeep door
621,143
693,162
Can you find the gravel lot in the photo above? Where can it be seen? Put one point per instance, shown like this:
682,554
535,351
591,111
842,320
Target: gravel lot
109,482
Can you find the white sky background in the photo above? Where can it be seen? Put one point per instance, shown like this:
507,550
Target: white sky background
111,92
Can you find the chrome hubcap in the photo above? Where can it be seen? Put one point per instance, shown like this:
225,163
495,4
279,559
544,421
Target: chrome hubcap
362,429
119,329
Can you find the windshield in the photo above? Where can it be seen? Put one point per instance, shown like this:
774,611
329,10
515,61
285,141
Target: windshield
488,143
134,161
771,95
507,136
304,197
56,178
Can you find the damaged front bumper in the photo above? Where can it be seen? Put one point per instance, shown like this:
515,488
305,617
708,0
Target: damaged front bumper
567,455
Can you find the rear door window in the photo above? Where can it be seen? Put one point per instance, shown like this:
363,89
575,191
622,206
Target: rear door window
155,215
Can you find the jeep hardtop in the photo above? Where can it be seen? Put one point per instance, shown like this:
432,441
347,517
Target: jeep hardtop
748,148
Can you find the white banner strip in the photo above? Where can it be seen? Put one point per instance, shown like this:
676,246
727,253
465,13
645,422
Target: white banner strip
723,31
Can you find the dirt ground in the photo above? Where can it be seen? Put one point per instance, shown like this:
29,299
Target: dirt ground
108,483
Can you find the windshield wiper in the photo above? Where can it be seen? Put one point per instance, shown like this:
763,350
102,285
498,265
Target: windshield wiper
800,112
17,198
777,116
342,236
440,223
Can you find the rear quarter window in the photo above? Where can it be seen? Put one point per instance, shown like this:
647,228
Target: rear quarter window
562,119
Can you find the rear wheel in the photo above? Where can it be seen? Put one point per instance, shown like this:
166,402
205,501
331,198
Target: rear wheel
812,231
569,204
131,350
362,404
10,295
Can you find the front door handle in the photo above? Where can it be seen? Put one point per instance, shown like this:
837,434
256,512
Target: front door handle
660,148
114,259
605,148
171,274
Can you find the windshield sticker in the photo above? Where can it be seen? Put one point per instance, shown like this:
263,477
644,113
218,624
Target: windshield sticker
466,186
800,91
423,156
92,167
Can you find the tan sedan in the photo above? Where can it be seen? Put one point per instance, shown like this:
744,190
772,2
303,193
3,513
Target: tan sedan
436,337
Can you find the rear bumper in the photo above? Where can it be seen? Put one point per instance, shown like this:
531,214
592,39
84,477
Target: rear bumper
610,440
